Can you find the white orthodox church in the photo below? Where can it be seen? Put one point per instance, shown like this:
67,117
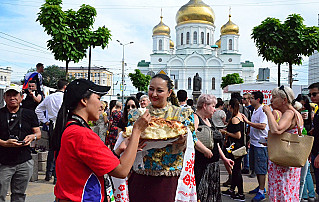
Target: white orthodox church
195,51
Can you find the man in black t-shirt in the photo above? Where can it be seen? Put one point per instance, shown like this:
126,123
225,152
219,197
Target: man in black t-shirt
33,97
18,128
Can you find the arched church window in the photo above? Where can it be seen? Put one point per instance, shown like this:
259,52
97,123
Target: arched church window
189,83
160,44
195,38
207,38
182,38
202,37
213,83
187,38
176,83
230,44
151,73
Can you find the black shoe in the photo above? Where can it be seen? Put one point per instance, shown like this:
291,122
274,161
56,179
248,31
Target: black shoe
245,171
54,181
48,177
238,197
228,192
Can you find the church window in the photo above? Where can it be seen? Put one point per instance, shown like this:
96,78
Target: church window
151,73
176,83
195,38
230,44
202,37
160,44
213,83
182,38
187,38
189,83
207,38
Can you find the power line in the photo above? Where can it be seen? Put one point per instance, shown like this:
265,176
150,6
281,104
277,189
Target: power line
20,43
22,40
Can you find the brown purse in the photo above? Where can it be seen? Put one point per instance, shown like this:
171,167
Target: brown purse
290,150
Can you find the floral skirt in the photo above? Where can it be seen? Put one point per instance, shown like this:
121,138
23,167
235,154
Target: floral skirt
283,183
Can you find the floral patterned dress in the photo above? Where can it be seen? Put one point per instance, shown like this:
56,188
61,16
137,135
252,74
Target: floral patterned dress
112,136
283,182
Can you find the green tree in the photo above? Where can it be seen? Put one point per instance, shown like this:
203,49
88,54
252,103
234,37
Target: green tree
71,31
231,79
287,42
139,80
52,74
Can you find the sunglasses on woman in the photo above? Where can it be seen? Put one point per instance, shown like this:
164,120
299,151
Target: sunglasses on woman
131,106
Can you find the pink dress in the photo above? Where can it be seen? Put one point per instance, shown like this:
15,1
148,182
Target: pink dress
283,182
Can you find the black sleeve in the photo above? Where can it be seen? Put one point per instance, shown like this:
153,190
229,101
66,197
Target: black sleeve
32,118
233,128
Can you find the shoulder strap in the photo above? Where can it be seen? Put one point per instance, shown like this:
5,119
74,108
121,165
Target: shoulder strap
298,123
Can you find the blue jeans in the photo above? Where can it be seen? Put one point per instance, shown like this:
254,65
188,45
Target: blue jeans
316,172
308,189
246,160
258,156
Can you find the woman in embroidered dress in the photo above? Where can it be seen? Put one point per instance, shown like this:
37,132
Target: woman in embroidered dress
155,178
283,182
207,173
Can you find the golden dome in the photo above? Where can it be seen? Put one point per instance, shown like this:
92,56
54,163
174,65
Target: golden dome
171,44
218,43
161,29
229,28
195,11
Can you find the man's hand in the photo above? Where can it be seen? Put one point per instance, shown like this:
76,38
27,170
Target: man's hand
28,139
311,131
245,118
12,143
142,123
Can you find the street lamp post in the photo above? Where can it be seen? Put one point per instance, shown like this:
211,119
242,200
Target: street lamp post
123,67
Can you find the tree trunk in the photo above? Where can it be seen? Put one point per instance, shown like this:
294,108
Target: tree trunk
279,74
290,75
66,69
89,68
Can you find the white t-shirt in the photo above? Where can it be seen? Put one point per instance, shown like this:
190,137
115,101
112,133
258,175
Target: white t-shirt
258,116
218,118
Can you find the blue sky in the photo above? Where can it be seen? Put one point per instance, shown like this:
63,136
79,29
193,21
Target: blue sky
133,21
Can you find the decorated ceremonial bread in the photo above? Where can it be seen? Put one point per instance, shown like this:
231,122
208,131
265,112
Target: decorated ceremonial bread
160,129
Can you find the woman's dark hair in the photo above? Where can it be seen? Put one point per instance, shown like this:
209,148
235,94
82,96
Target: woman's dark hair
172,98
64,115
125,112
112,105
219,103
234,104
307,106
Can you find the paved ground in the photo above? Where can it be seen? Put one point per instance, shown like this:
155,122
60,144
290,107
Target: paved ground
42,191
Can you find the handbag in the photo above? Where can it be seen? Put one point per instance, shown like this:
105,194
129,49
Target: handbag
239,152
290,150
207,135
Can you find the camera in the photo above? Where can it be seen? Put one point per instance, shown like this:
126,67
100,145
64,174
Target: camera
13,137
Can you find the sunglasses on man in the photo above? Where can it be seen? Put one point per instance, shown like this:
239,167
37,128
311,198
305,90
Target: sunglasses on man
314,94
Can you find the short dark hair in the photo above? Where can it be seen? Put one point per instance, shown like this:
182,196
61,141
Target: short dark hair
62,83
236,95
314,85
219,103
32,81
258,94
139,95
39,65
182,95
190,102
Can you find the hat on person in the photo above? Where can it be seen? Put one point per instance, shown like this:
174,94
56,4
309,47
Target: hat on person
76,89
13,88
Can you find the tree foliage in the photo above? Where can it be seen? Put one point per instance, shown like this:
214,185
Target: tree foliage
139,80
285,42
71,31
231,79
52,74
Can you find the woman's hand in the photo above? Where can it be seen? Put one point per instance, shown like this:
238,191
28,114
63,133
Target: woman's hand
224,132
228,163
208,153
181,139
266,109
142,123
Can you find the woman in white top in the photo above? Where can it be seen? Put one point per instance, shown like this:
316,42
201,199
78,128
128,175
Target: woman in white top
219,117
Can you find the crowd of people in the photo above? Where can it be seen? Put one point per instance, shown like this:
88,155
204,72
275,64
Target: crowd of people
85,148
